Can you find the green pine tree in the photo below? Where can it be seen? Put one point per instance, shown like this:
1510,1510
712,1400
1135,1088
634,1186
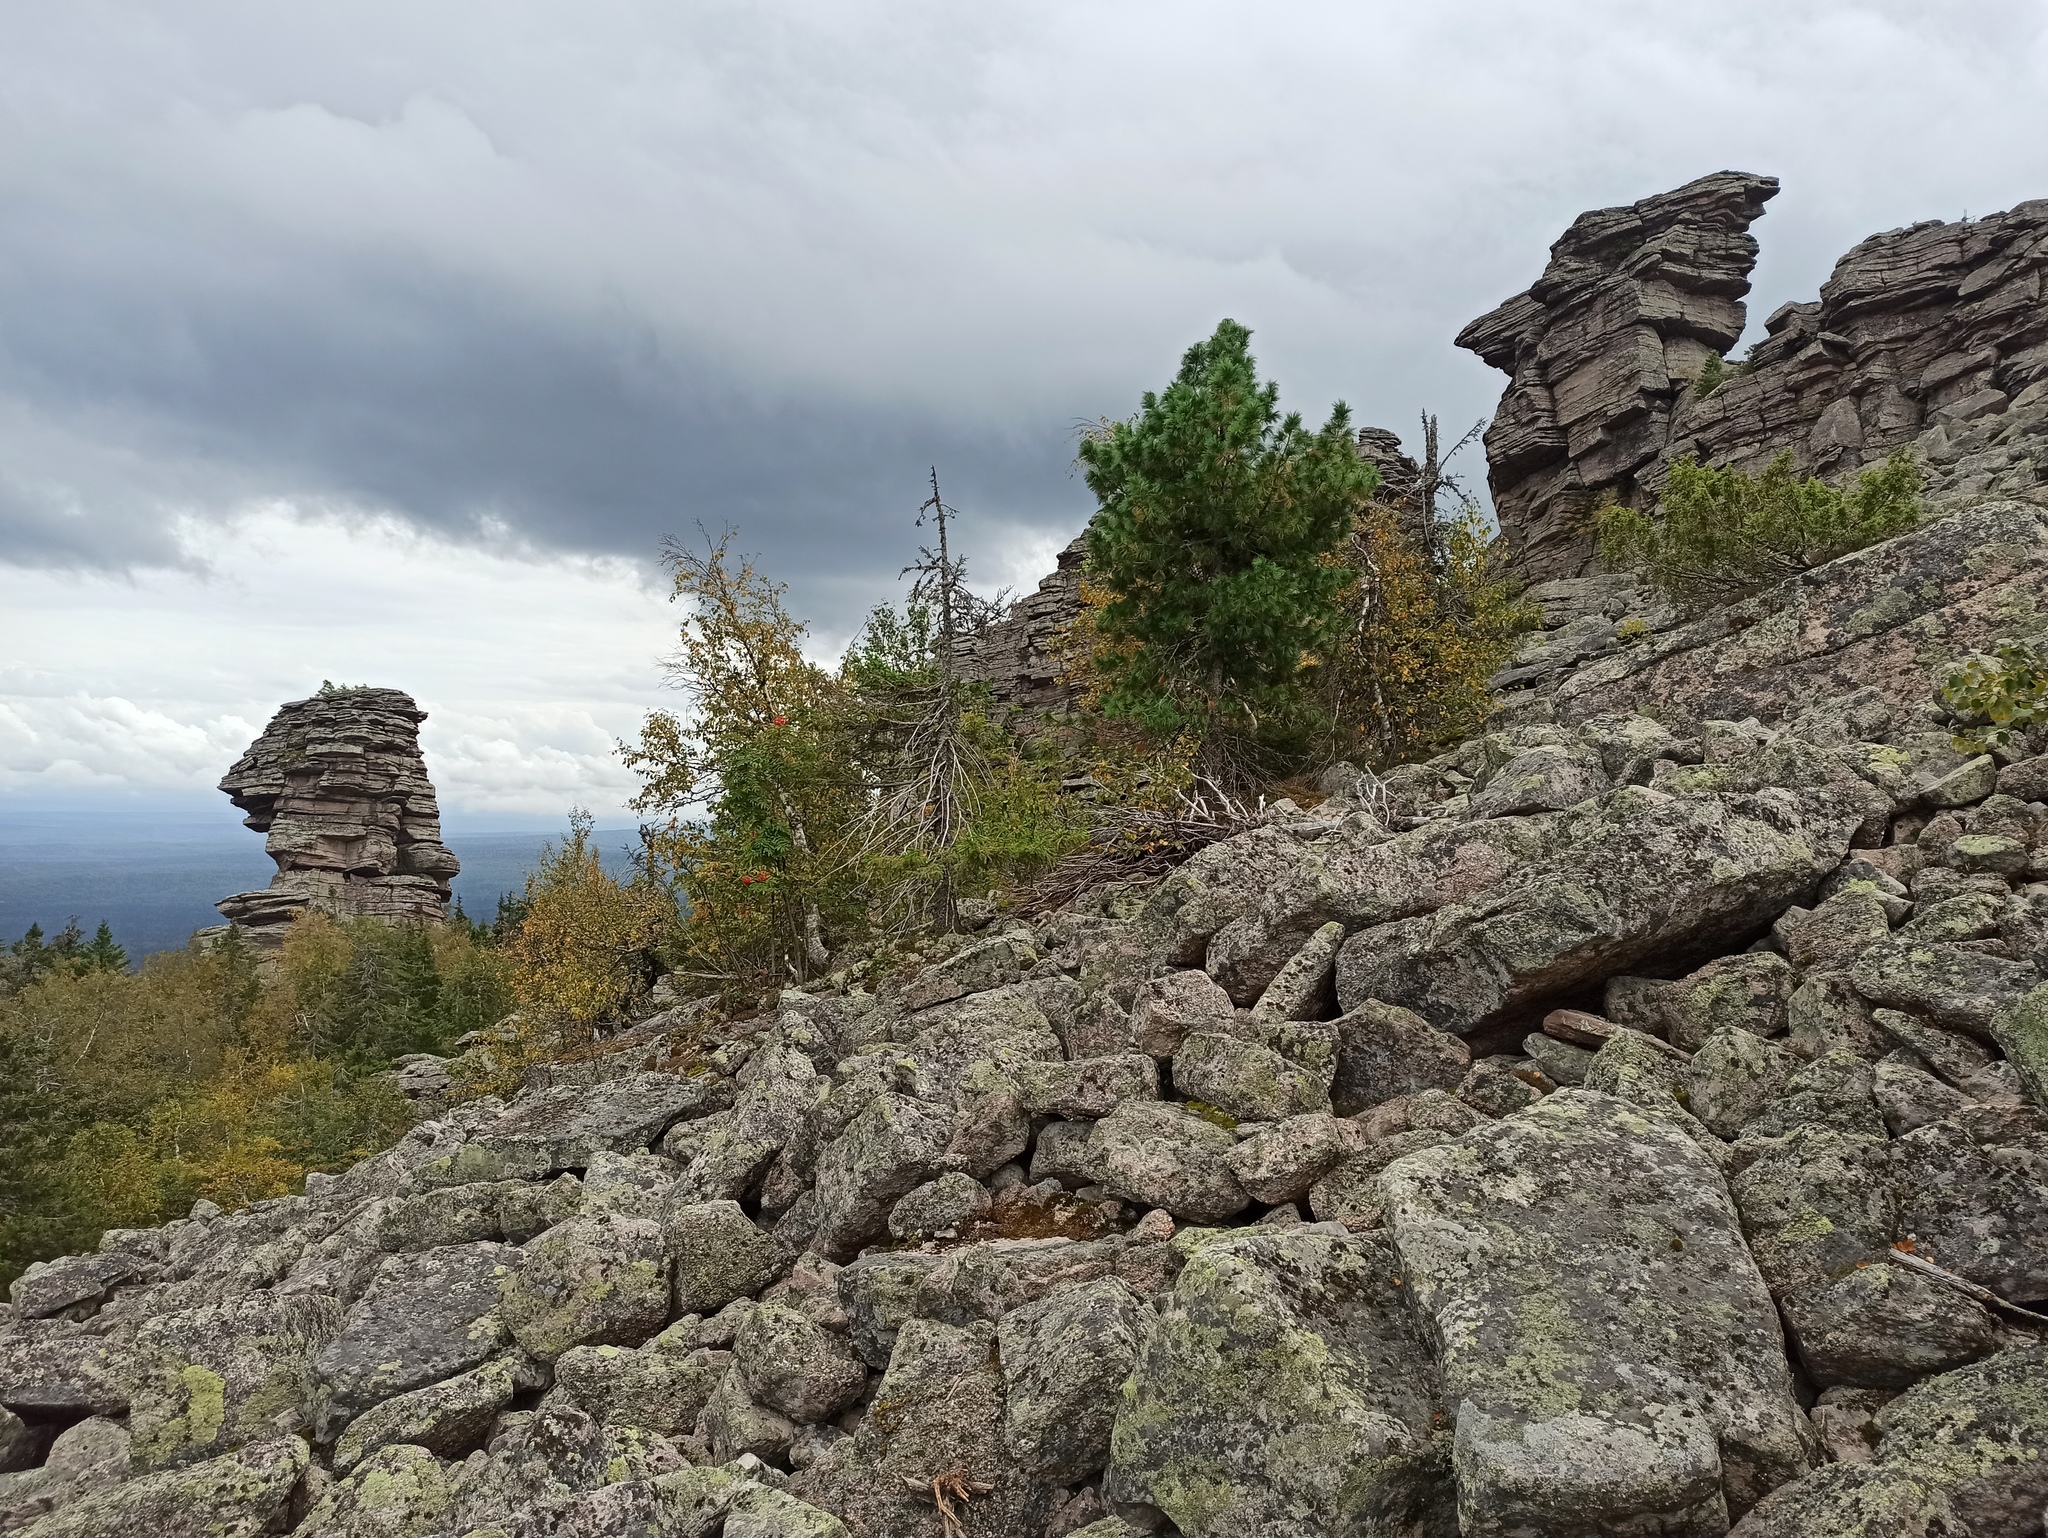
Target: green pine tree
1213,547
101,954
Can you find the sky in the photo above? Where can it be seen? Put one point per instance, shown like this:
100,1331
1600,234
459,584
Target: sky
384,342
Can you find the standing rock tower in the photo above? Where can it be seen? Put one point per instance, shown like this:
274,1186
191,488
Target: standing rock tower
337,784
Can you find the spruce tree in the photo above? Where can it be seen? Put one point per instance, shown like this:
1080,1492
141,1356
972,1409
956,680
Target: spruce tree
1213,546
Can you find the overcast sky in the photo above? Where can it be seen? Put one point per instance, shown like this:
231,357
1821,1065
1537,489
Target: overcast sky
384,341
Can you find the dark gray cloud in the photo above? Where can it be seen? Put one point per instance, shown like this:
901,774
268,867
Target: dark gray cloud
579,279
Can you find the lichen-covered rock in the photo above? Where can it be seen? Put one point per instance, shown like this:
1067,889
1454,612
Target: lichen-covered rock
736,1427
1167,1010
790,1365
889,1149
1721,865
1280,1163
977,969
1285,1389
1747,992
450,1418
396,1492
943,1206
1350,1193
1258,1071
1087,1087
1973,1195
1305,987
73,1285
1978,1434
1881,1326
1065,1358
1582,1260
656,1390
1954,985
1492,1087
1385,1052
1159,1154
938,1407
2022,1035
1840,929
879,1292
589,1281
235,1496
719,1253
1854,1500
1908,1096
1815,1203
560,1129
82,1460
1733,1076
211,1379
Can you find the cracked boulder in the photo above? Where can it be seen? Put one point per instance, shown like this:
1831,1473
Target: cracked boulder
1584,1272
1285,1389
1065,1358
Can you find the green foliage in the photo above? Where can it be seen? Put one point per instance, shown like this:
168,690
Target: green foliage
1713,374
2001,697
1212,547
1409,676
126,1095
1721,534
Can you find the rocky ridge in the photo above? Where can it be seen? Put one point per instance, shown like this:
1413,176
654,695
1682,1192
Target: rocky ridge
337,785
1615,1125
1932,337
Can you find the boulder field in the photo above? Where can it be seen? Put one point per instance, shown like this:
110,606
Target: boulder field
1633,1121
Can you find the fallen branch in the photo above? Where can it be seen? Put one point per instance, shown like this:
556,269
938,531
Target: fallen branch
1963,1285
946,1488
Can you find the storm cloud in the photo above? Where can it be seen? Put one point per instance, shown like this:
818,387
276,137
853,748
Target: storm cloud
543,281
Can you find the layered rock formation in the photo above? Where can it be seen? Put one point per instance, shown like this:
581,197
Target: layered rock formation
1933,337
1599,350
337,786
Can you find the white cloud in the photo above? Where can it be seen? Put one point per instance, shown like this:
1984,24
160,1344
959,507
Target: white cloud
529,665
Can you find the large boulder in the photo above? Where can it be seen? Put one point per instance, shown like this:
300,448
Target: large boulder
215,1378
1285,1389
239,1495
560,1129
1613,1355
425,1317
1065,1358
1159,1154
892,1147
719,1253
1646,874
1385,1052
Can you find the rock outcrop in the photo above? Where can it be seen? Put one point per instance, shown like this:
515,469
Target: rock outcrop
337,786
1933,337
1630,1121
1599,351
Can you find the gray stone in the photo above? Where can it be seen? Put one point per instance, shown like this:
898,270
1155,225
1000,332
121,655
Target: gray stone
83,1459
656,1390
449,1419
586,1282
1855,1500
1908,1096
1979,1435
2022,1035
1964,786
396,1492
74,1285
1881,1326
560,1129
879,1292
1259,1070
892,1147
1585,1276
788,1364
1350,1193
1561,1061
1158,1154
735,1427
1749,992
1492,1087
1733,1076
989,964
1973,1194
1950,984
1167,1010
942,1207
1065,1358
239,1495
1839,930
627,1185
1385,1052
718,1254
1305,988
1721,865
1955,1057
1282,1162
1541,779
1814,1204
212,1379
1087,1087
1285,1389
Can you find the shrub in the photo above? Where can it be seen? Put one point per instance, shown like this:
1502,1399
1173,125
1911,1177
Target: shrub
1410,676
1721,534
2001,698
1713,374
